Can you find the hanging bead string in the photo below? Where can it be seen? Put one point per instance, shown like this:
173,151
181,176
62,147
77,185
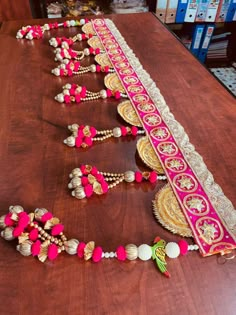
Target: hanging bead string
37,31
86,180
74,93
40,234
66,42
62,53
69,68
84,136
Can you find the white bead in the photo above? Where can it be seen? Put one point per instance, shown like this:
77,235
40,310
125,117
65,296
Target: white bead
86,52
144,252
103,254
106,255
56,72
103,94
195,247
46,26
93,68
65,45
172,250
112,254
117,132
72,23
67,86
59,98
66,92
82,21
58,57
190,247
70,141
129,176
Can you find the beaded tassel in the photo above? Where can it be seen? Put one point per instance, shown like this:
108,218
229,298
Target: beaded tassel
74,68
65,42
62,53
84,136
40,234
73,93
37,31
86,180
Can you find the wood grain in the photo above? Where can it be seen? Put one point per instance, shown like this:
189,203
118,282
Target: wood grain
34,173
14,11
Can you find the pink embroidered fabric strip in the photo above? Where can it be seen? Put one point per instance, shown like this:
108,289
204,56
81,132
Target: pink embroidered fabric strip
210,233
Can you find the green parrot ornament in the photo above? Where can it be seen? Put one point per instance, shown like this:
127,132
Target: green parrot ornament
158,254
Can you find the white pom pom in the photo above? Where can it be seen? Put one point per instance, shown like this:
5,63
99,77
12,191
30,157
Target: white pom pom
56,72
172,250
82,21
59,98
144,252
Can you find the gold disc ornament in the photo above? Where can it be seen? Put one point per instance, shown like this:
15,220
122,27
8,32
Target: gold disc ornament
148,155
127,112
103,60
112,82
168,212
88,29
95,42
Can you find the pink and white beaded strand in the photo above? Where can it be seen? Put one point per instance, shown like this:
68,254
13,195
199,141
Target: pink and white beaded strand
37,31
41,235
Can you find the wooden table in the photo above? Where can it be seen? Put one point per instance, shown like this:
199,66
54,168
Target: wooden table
34,173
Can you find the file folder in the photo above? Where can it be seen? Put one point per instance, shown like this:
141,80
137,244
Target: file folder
181,11
202,10
212,10
197,39
222,10
231,11
171,11
191,11
206,42
161,9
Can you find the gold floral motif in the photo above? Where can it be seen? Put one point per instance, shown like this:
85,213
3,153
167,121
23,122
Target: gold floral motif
160,133
146,107
210,229
135,89
167,148
130,80
50,223
175,164
140,98
121,64
23,237
152,120
185,182
148,156
126,71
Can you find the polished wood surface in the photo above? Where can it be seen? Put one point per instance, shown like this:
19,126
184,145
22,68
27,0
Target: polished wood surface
14,10
34,173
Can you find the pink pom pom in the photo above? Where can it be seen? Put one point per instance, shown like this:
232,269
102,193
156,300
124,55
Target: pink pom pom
84,169
80,250
78,142
23,220
35,248
98,68
134,130
99,177
121,253
33,235
83,91
138,177
46,216
88,141
93,131
8,221
84,181
52,251
57,229
117,95
97,254
109,93
17,231
104,187
91,50
94,170
77,98
183,246
152,177
62,72
67,99
106,69
88,189
123,131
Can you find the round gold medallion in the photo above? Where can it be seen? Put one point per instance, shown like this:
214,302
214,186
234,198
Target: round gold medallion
127,112
148,155
88,29
168,212
95,42
113,83
103,60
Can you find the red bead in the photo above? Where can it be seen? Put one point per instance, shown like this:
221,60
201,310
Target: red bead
138,177
183,246
152,177
123,131
134,130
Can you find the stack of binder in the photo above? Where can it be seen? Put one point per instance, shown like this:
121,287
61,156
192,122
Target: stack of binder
218,47
180,11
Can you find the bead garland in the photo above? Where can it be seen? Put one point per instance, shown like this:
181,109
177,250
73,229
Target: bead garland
74,93
41,235
84,136
86,180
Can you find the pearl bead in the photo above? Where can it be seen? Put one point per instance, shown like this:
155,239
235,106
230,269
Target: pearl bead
144,252
72,23
129,176
196,247
79,193
82,21
106,255
86,52
92,68
172,250
117,132
103,94
59,98
70,141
